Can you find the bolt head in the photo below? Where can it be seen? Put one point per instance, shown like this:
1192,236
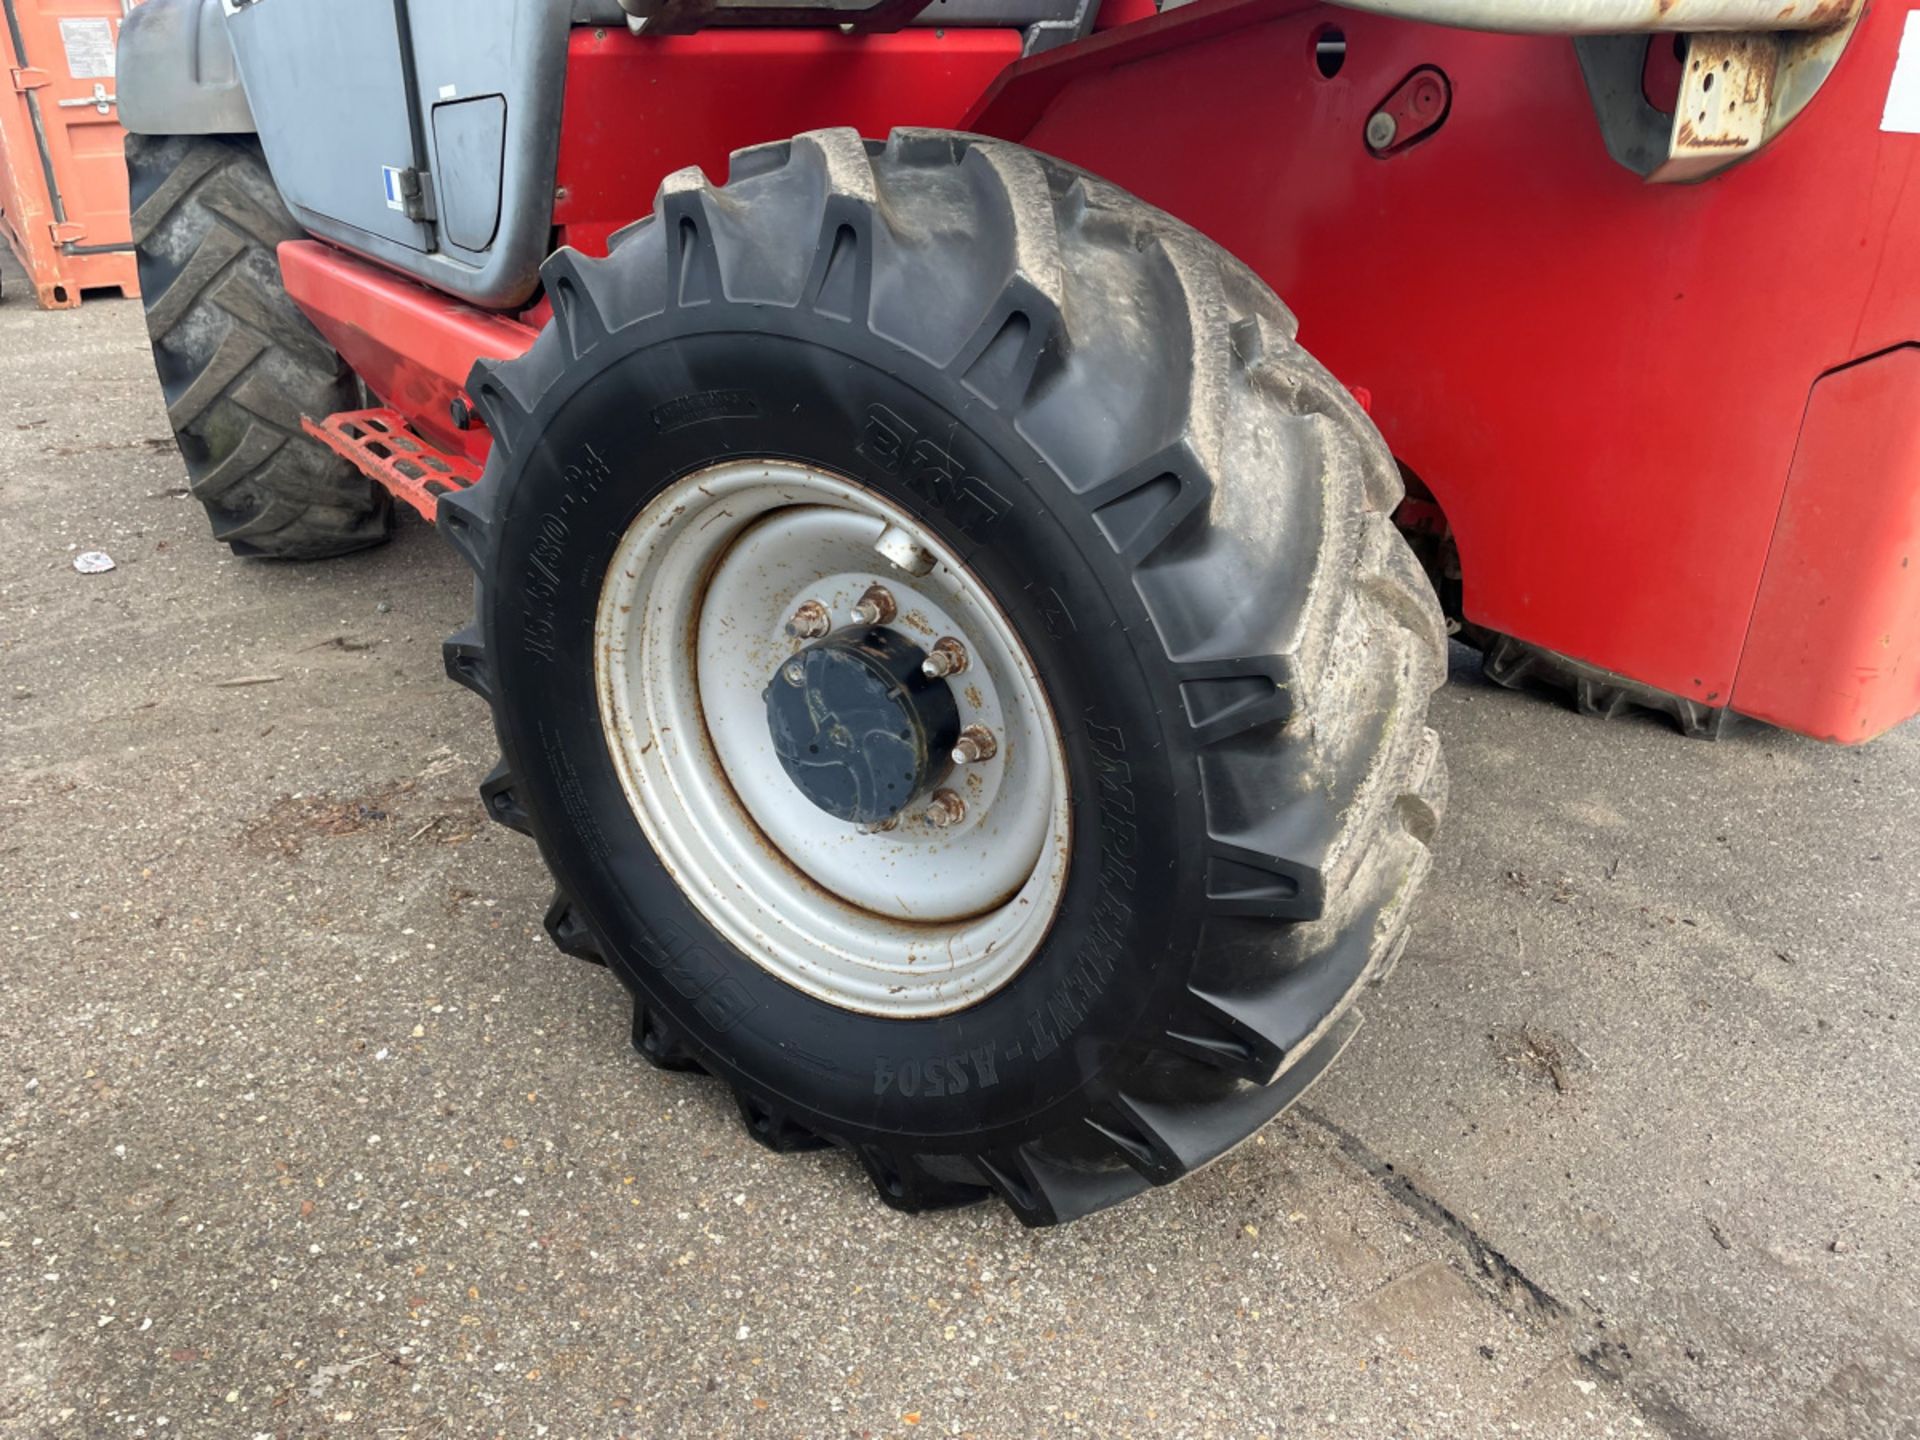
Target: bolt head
948,657
794,673
876,607
976,743
1381,128
810,621
945,810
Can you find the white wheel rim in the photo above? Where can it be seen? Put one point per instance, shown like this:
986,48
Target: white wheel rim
912,921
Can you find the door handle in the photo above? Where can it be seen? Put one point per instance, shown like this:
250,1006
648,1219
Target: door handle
101,99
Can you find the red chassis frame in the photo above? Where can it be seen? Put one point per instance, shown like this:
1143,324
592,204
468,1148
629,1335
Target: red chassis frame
1674,430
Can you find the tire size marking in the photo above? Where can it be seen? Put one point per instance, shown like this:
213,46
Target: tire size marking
1102,950
573,795
696,973
977,1068
1055,617
930,470
540,581
678,413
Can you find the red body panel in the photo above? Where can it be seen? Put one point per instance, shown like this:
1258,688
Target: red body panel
1602,381
639,108
413,346
1822,655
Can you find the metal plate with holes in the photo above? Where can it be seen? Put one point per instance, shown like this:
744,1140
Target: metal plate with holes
379,444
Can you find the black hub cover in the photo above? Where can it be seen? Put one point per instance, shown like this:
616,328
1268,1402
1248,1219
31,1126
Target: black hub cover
857,726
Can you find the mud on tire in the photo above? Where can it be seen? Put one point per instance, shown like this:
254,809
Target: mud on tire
1184,516
238,363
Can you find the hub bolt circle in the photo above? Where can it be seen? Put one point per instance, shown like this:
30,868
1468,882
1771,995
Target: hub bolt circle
945,810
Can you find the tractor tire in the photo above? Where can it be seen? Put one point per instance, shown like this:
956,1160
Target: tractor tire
1061,418
239,364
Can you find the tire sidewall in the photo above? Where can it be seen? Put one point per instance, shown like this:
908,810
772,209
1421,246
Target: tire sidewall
681,391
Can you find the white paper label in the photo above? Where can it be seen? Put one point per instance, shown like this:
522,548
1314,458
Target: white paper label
390,181
1902,114
89,46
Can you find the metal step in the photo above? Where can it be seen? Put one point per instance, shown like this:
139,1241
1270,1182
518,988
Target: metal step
381,447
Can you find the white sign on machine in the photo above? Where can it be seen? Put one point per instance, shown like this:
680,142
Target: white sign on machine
1902,114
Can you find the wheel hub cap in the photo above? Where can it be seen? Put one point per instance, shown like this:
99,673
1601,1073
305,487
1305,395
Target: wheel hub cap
858,728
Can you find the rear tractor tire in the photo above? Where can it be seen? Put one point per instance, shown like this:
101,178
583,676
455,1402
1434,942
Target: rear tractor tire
238,362
950,646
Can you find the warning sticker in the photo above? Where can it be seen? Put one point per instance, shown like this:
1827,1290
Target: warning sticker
1902,114
89,46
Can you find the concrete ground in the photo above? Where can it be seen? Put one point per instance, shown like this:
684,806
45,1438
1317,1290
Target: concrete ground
305,1130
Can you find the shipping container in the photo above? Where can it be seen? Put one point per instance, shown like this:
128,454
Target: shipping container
63,174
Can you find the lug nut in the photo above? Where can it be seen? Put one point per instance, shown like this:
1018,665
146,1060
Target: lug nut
949,657
794,673
976,743
876,607
880,827
945,810
810,621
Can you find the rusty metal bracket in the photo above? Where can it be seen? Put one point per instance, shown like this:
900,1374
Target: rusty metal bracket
1737,91
379,445
1724,105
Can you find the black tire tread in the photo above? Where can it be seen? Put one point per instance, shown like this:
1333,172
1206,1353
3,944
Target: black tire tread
1307,698
238,362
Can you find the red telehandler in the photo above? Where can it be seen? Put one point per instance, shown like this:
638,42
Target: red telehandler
963,660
